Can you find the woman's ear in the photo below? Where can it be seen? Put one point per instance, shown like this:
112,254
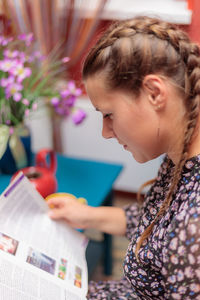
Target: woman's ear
155,89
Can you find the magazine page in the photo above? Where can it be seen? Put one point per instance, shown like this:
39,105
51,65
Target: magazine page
39,258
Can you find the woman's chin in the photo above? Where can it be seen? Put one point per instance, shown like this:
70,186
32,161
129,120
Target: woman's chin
141,158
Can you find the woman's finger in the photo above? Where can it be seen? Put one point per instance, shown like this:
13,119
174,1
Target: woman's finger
59,198
56,213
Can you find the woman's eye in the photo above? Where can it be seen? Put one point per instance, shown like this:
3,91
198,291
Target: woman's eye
107,116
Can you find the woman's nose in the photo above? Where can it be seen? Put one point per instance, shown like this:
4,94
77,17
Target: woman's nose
107,130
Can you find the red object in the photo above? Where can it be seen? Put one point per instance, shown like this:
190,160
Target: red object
190,4
42,175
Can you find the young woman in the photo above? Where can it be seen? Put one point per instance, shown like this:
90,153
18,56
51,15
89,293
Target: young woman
143,75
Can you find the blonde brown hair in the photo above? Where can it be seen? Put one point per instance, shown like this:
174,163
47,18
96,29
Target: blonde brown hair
128,51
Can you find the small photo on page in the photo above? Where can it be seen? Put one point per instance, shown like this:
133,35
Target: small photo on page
41,261
78,277
62,269
8,244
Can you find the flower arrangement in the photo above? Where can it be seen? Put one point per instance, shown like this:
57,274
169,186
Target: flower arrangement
25,76
64,103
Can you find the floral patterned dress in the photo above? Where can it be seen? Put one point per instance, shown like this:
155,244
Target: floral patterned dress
169,266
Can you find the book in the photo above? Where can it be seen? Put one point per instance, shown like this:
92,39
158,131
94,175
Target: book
40,259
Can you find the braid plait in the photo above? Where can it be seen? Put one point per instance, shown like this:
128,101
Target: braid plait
132,49
160,29
189,52
179,40
191,125
192,103
190,55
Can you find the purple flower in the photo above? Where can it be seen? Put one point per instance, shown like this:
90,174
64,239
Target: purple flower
20,72
27,38
22,37
37,54
78,116
71,85
55,101
6,81
71,100
62,111
78,92
5,41
64,93
34,106
27,111
25,101
17,63
22,57
13,90
64,106
69,94
65,59
72,88
7,64
29,59
11,130
17,96
8,122
10,54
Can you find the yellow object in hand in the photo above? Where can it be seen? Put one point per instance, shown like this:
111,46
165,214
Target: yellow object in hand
55,195
82,200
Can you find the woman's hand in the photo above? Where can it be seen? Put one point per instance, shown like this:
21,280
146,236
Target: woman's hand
111,220
67,207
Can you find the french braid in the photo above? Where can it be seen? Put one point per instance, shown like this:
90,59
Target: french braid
131,49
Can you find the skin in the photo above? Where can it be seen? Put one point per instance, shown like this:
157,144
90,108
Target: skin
106,219
147,126
141,124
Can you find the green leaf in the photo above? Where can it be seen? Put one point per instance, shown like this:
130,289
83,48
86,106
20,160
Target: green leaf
34,78
4,136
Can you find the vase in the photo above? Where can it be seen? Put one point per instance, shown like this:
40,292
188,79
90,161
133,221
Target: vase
16,157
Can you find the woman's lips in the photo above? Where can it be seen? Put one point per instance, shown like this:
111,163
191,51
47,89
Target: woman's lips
124,146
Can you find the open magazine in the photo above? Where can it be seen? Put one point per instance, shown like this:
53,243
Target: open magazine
39,258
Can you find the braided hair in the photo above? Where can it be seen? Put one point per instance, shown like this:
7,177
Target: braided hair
128,51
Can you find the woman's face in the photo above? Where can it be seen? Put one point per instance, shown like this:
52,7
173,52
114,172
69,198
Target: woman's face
132,121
